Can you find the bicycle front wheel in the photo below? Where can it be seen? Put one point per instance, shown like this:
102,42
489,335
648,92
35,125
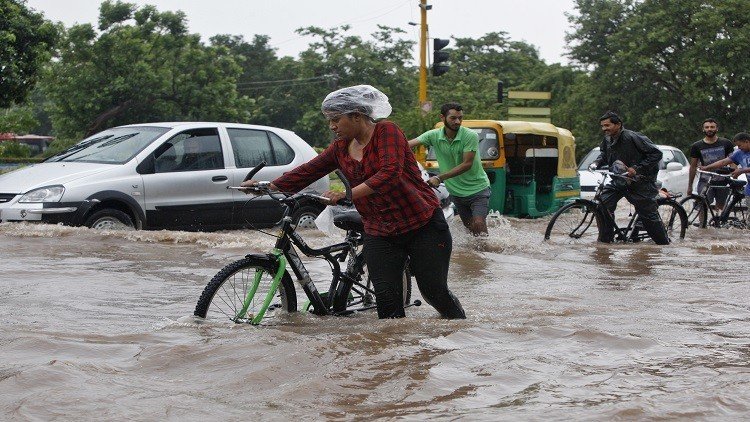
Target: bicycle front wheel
239,293
573,221
674,217
695,210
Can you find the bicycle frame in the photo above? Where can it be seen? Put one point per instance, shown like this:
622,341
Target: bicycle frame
736,194
622,234
285,253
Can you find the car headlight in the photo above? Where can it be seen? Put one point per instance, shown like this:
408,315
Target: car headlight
45,194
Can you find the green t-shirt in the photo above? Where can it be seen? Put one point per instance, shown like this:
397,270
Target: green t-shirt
451,153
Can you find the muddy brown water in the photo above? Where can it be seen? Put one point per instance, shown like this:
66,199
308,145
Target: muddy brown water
97,325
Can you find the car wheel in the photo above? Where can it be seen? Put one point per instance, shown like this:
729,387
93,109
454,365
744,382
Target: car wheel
305,216
109,219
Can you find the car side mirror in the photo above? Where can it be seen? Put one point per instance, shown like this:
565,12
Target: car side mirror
674,166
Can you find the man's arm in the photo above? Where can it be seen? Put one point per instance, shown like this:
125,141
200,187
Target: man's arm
600,158
414,142
652,154
691,174
721,163
455,171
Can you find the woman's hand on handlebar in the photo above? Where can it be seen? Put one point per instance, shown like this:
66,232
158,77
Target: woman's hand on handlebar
254,186
334,197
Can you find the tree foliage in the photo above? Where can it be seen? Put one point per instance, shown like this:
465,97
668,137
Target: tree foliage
142,66
26,39
14,150
17,119
664,65
476,67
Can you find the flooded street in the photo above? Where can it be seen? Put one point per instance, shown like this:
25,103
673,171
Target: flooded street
99,325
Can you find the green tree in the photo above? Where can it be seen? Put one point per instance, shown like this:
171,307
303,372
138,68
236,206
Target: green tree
142,66
17,119
380,62
26,40
14,150
665,65
476,67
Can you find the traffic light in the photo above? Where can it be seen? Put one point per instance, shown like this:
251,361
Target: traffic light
499,91
438,57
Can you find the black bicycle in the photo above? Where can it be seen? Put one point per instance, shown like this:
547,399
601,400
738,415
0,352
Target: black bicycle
259,287
578,219
702,214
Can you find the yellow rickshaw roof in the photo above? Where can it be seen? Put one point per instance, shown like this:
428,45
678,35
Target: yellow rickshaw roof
537,128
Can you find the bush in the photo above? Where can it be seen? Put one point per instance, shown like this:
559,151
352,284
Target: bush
59,145
14,149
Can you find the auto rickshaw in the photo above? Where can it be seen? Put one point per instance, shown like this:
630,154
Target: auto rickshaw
531,165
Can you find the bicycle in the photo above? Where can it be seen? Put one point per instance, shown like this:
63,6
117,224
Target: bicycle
574,220
735,213
258,287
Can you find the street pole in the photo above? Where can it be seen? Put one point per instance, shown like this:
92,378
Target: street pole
423,54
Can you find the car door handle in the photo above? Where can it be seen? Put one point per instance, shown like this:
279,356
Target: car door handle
219,178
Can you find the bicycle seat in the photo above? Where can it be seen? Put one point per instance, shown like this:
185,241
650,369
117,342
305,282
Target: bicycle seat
736,184
720,181
349,220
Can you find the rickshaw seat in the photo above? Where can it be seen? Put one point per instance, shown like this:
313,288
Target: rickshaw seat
545,169
542,152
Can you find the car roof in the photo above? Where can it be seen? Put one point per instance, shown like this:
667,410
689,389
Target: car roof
197,124
660,146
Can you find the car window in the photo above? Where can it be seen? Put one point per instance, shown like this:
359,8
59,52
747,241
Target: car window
195,149
112,146
250,147
588,159
283,152
680,158
667,156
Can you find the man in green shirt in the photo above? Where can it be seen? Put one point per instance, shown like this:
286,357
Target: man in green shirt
460,167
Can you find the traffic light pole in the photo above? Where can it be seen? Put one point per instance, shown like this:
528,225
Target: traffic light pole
423,54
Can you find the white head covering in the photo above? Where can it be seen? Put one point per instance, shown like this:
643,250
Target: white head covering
363,99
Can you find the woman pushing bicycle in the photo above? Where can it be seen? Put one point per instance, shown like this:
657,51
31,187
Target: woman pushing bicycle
401,214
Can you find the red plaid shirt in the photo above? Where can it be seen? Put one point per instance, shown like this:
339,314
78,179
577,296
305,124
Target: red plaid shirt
402,200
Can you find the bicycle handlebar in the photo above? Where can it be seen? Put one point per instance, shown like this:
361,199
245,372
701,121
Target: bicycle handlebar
254,171
713,173
611,174
263,188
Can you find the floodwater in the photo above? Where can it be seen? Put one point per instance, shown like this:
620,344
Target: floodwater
98,325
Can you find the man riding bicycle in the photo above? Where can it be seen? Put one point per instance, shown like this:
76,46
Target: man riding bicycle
639,158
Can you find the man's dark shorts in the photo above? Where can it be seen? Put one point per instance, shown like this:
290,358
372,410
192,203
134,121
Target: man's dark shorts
476,205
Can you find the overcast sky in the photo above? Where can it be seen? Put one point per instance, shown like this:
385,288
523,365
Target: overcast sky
539,22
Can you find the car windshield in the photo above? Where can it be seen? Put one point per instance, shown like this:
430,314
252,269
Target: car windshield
112,146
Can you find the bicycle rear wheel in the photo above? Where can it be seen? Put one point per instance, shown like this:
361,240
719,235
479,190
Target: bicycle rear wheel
674,217
246,282
362,295
572,222
738,215
695,210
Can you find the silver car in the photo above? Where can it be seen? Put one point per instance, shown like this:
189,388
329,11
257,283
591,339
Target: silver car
159,176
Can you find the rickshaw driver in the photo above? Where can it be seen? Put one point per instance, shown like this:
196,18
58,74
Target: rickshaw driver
641,158
467,182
